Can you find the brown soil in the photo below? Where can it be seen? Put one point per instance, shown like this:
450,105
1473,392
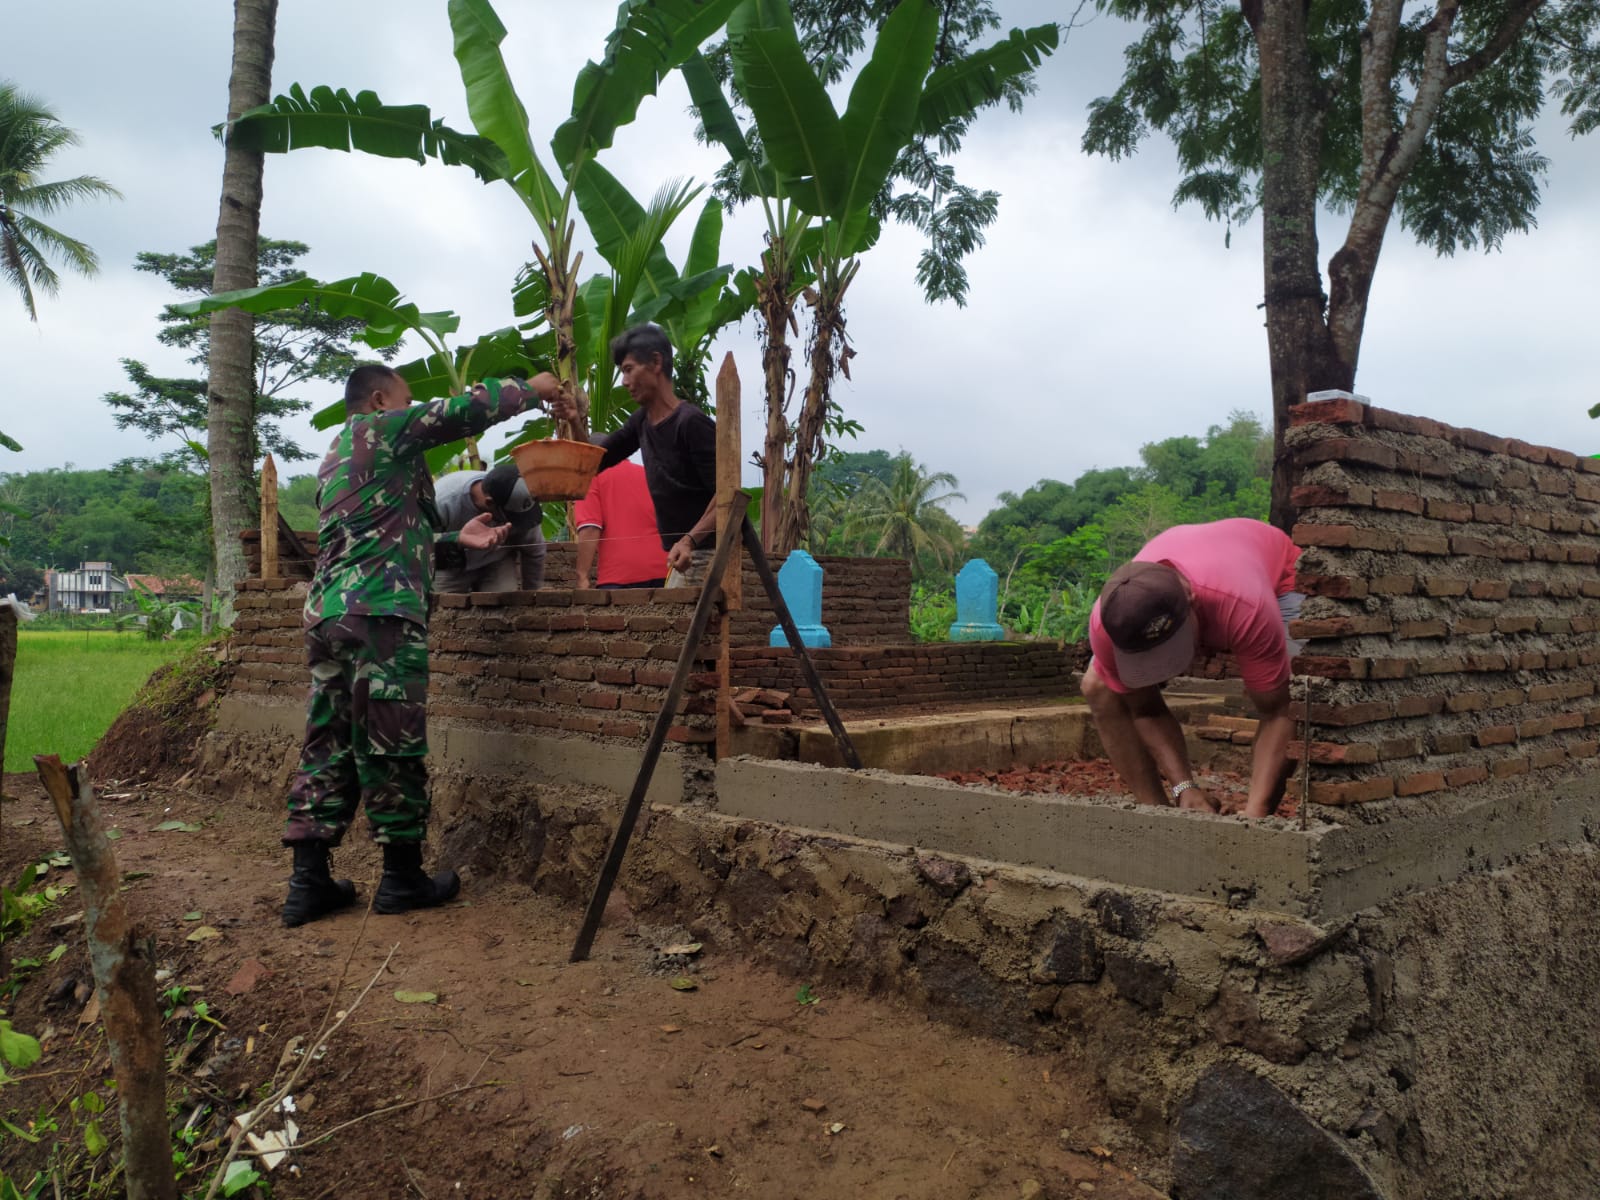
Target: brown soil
1097,777
594,1080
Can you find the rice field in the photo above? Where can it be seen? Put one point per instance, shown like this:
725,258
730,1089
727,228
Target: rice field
70,686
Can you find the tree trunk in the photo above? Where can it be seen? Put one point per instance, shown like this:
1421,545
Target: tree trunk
122,956
1299,347
230,416
828,350
775,300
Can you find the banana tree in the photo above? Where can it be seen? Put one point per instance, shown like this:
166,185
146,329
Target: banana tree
651,38
818,173
387,318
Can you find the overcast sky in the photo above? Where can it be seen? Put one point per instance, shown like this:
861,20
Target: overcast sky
1100,318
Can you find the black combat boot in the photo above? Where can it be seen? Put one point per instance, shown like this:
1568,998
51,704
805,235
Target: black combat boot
313,891
405,885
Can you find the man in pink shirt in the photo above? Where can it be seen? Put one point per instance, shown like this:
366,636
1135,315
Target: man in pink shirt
1227,586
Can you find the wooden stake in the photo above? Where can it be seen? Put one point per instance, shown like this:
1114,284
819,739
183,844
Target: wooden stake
123,960
652,751
269,519
730,517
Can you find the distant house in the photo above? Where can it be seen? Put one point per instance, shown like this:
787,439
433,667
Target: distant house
180,587
93,587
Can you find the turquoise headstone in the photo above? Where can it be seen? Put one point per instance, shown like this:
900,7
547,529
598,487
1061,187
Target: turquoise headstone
800,581
977,604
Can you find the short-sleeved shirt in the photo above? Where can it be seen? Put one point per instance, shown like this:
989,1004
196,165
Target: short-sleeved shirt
680,465
378,519
1238,568
619,506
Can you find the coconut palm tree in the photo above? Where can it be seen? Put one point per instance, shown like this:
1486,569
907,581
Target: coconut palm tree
904,518
30,135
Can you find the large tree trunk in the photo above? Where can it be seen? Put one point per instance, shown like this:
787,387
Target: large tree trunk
230,417
1299,347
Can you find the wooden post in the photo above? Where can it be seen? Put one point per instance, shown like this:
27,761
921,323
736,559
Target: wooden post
123,960
729,523
269,519
652,749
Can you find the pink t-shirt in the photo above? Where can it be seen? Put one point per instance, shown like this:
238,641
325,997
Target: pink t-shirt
1238,568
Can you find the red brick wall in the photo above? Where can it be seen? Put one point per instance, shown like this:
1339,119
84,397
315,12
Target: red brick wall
590,662
899,676
1453,603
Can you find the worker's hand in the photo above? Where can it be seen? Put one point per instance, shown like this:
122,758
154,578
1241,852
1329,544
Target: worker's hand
681,556
1197,801
561,406
543,388
479,534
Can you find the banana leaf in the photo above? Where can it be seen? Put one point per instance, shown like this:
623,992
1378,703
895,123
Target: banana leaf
613,217
368,298
958,90
336,120
721,126
497,113
651,39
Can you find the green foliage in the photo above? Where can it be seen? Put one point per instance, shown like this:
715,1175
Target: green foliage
887,507
1194,74
141,515
30,136
933,611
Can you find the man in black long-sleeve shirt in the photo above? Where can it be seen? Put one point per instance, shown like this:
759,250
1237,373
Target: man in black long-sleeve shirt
677,441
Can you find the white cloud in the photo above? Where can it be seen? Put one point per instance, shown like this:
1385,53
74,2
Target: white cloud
1100,319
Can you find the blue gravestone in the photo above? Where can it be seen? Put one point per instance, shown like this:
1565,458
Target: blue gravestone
977,604
800,581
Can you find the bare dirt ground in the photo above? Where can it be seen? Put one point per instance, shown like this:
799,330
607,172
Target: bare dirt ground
1097,777
591,1080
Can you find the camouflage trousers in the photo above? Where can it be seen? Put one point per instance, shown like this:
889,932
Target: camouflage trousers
366,732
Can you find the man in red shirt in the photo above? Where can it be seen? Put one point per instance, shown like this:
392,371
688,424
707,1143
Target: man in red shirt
1227,586
617,526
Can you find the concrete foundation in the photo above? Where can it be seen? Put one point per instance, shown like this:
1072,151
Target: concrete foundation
1390,1006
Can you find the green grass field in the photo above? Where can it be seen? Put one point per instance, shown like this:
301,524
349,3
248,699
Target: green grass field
70,686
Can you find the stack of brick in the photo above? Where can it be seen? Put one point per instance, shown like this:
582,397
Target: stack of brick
589,662
1452,608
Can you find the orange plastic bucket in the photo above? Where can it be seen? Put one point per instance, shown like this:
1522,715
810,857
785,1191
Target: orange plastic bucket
557,469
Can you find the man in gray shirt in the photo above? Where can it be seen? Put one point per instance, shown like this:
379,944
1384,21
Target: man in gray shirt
516,565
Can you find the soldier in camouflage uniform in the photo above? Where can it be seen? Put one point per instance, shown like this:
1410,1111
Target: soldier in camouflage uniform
366,621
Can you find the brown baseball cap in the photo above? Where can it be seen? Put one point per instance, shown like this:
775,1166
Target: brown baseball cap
1145,611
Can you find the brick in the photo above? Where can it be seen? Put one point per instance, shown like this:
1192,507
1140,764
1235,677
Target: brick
1347,450
553,598
1548,756
1531,518
1532,660
1243,737
693,737
1512,623
1423,543
606,700
591,597
1550,484
1461,702
1491,514
452,600
1392,585
1392,501
1467,545
652,678
1329,667
1566,720
1444,585
1506,697
1463,776
1397,422
1343,715
1419,706
1448,510
1585,749
1336,753
1506,767
1586,555
1356,792
648,624
614,675
580,672
1565,523
1322,535
1333,411
1516,480
1420,784
1422,629
576,724
1536,727
1449,743
1337,586
623,729
1463,626
605,622
1391,668
1488,661
622,648
1554,625
1314,496
1528,587
1402,747
1495,735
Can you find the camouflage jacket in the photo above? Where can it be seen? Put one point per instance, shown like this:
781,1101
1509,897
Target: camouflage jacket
378,519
